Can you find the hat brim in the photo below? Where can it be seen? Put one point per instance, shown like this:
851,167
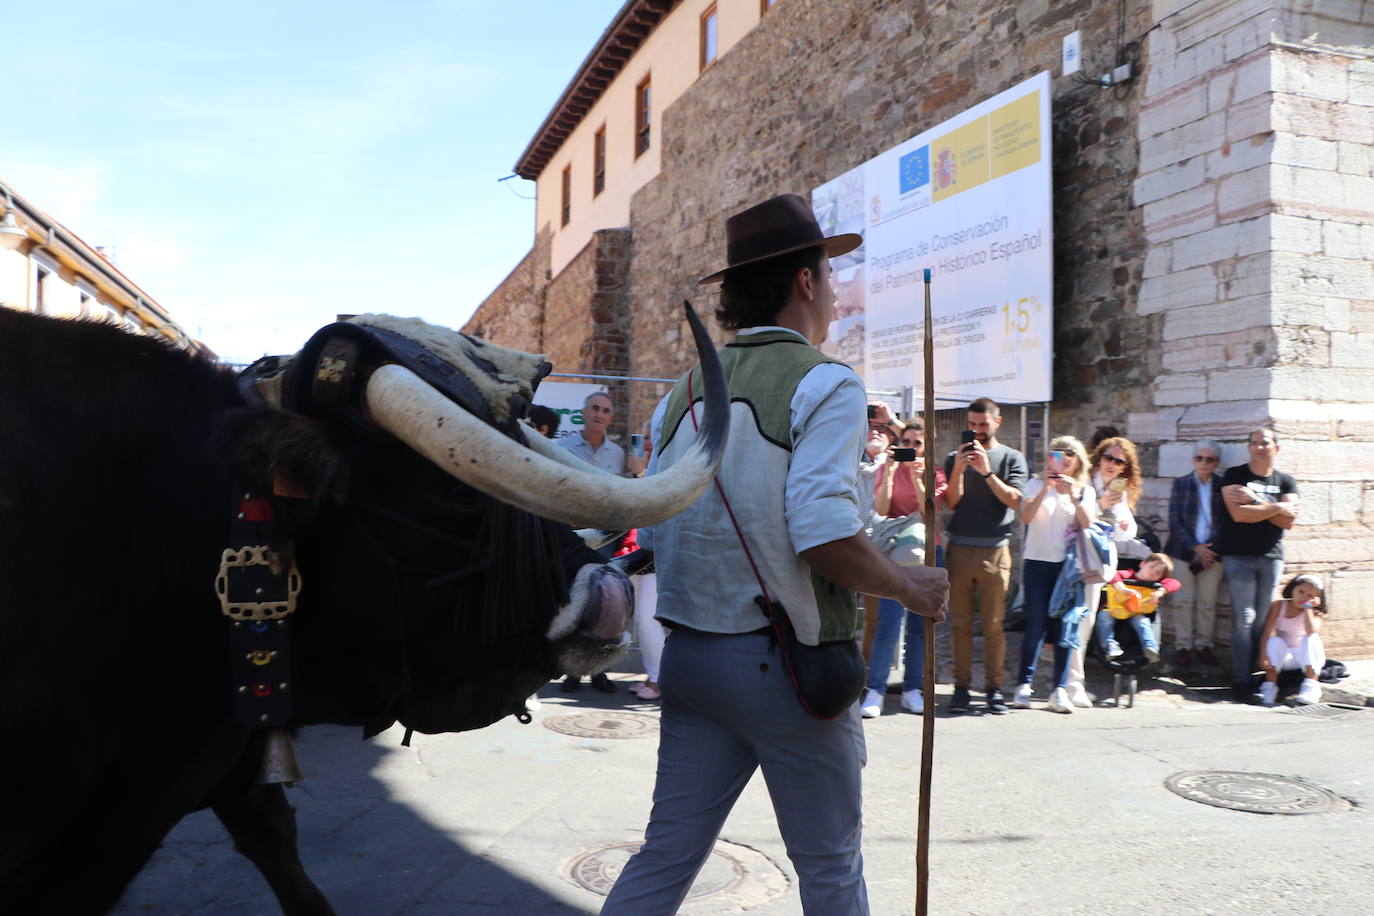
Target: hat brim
834,246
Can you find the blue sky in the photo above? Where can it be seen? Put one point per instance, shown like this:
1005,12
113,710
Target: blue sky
259,167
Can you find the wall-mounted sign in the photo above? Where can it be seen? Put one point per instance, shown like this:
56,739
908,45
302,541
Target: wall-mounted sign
969,199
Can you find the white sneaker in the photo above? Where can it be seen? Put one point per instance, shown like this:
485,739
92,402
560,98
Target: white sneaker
914,701
1079,696
1310,692
1113,649
1059,701
1151,654
1268,692
1021,698
871,706
532,702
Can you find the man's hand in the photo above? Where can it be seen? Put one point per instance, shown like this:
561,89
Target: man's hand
975,456
928,591
881,412
1238,495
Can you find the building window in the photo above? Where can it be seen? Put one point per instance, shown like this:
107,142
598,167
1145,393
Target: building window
40,289
765,6
567,194
643,116
709,45
599,162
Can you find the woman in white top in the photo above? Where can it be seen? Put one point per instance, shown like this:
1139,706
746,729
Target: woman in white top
1114,459
1053,504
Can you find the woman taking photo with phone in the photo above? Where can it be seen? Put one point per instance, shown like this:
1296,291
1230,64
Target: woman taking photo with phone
1053,501
900,490
1116,480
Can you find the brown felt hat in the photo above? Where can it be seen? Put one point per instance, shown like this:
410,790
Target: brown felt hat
779,225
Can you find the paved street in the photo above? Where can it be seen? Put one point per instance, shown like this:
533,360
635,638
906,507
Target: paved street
1034,813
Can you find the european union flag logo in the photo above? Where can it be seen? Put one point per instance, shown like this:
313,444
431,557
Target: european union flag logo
915,170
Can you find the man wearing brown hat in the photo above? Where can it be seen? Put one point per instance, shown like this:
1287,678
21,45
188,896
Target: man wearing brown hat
797,428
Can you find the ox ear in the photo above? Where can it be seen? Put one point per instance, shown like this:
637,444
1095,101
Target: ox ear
283,453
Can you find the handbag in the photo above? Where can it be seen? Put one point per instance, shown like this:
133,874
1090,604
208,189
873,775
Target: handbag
827,678
902,539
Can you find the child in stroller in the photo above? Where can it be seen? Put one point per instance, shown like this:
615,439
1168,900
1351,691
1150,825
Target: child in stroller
1133,596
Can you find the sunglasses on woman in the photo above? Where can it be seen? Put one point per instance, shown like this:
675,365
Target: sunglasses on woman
1206,459
1119,462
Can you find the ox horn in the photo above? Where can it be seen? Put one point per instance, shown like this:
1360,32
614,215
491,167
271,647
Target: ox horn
576,494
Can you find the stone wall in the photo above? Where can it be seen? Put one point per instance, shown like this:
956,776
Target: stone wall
898,69
513,315
1212,221
1258,202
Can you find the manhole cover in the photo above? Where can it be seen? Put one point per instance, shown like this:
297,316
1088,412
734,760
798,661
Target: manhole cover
603,724
743,875
1326,710
1259,793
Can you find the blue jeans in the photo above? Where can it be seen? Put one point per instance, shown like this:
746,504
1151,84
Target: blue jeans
1037,585
1250,580
890,617
1143,624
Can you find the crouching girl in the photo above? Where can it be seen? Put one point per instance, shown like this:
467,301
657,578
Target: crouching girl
1292,639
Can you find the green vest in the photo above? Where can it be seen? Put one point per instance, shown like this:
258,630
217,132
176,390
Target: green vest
763,370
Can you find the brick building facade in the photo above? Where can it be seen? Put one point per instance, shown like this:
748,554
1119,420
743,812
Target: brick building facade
1213,219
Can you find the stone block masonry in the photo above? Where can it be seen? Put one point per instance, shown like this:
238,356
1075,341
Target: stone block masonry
1258,267
1212,221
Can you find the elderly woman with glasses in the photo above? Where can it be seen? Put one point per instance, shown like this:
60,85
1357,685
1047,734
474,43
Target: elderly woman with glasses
1196,513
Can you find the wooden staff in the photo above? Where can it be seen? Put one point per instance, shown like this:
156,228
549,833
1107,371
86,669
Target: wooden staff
928,682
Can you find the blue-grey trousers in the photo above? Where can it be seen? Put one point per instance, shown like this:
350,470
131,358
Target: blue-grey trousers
728,710
1250,580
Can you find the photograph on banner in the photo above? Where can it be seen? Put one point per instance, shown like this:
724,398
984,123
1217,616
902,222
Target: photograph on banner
566,400
970,199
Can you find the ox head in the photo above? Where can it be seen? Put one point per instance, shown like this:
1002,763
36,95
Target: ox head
442,581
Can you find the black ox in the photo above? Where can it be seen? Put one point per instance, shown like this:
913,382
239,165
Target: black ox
440,580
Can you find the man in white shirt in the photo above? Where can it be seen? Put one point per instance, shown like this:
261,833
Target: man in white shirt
591,444
789,473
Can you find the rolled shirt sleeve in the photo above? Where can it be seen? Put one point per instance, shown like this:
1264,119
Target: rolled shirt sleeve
828,424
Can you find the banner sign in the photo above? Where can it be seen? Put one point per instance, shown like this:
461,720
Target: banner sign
970,200
566,399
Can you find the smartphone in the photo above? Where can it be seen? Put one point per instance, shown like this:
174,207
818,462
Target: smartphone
1118,485
904,454
637,445
872,412
1055,464
966,437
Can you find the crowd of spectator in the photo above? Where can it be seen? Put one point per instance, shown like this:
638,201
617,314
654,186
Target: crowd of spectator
1223,526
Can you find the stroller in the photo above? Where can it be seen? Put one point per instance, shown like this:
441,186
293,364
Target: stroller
1127,666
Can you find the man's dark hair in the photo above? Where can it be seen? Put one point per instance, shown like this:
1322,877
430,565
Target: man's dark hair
755,294
1105,432
985,405
544,416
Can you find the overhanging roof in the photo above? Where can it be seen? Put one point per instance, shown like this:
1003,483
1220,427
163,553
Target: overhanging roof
615,47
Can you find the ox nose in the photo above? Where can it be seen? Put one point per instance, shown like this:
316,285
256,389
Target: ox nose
608,613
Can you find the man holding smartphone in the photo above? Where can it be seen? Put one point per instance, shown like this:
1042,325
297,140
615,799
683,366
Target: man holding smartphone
985,483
